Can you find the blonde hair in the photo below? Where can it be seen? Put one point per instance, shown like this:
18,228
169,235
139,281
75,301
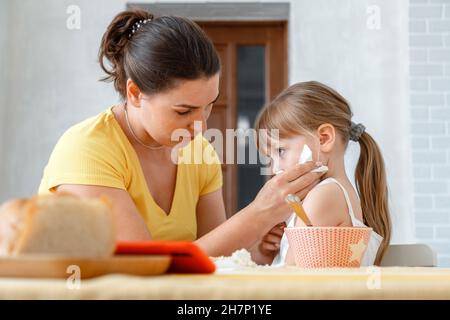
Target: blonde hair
301,109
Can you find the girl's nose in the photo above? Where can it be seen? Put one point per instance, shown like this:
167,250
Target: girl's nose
276,167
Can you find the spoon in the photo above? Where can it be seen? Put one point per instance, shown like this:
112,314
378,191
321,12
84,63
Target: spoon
296,205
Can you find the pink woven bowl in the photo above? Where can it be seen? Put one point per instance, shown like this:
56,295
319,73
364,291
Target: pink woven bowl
328,247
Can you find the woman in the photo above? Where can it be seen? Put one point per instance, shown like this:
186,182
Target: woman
166,71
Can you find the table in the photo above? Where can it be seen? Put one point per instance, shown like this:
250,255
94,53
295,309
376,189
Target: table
247,283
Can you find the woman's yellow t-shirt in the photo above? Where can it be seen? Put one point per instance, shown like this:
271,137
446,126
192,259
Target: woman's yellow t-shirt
97,152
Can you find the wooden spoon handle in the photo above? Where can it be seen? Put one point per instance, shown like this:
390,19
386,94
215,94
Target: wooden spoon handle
296,205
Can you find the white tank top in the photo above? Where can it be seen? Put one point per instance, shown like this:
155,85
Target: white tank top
374,241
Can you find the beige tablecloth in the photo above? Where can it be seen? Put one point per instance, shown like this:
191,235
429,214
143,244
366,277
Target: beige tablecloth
246,283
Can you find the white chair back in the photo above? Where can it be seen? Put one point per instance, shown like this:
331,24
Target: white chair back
409,255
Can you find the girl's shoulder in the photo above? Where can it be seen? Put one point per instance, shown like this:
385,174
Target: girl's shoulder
326,205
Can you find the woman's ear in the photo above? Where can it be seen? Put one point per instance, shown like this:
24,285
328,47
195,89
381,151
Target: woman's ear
133,93
327,137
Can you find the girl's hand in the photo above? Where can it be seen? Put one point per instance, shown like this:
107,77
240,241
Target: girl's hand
265,250
270,244
298,180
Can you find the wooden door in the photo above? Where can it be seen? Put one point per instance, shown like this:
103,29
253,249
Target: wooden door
268,40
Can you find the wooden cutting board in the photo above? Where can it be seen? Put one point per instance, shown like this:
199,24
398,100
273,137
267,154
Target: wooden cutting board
46,266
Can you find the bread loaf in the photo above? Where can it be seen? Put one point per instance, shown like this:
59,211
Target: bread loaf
57,224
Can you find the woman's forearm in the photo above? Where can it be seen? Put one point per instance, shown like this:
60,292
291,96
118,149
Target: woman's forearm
242,230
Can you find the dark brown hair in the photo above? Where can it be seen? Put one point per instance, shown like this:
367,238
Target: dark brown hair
159,53
301,109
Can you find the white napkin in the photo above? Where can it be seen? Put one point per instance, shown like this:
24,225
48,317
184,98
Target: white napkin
306,156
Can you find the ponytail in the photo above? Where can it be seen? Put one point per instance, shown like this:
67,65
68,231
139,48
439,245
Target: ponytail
371,183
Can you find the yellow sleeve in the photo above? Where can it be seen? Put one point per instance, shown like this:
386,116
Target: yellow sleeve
211,168
80,158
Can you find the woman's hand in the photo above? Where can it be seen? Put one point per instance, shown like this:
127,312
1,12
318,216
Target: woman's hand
298,180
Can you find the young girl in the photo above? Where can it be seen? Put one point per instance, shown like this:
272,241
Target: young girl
312,114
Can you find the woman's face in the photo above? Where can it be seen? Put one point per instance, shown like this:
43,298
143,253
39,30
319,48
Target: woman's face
187,104
285,152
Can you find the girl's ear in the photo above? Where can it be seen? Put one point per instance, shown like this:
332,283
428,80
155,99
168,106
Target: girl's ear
133,93
327,137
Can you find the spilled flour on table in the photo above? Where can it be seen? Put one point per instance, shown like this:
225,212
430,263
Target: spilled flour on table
239,261
239,258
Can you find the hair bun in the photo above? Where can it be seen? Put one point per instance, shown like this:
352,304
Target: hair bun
155,55
114,42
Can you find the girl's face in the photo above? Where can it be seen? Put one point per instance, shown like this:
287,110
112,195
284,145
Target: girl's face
285,152
190,102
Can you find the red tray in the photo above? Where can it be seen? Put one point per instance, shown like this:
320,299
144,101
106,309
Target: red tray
187,257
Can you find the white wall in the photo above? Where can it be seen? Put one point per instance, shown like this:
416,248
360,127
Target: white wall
54,80
430,117
53,76
4,39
